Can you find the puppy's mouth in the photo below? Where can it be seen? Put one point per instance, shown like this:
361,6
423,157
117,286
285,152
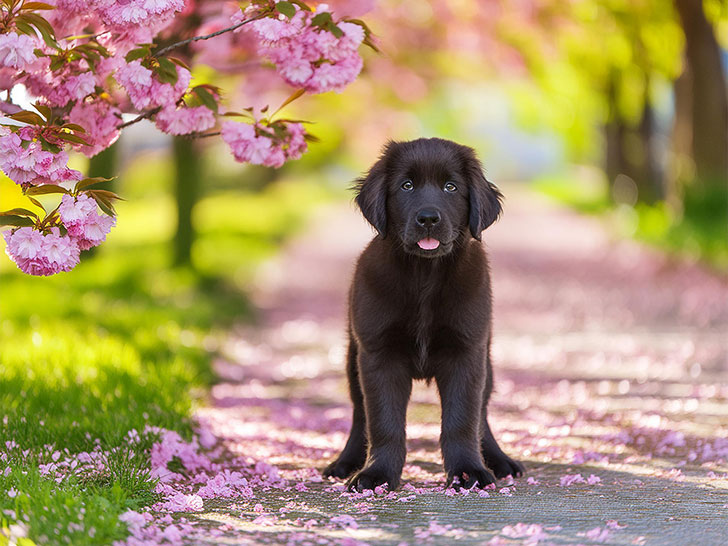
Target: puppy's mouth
428,243
429,247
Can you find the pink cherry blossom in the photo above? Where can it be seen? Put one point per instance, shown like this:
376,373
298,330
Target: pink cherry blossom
24,243
16,50
38,254
72,88
146,91
183,121
181,503
74,211
84,224
251,143
60,250
310,57
569,479
94,230
26,163
100,119
138,12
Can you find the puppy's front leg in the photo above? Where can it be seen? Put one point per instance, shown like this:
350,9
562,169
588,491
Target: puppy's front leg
460,384
386,385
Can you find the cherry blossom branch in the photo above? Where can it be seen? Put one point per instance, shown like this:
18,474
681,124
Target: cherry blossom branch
208,36
144,115
203,135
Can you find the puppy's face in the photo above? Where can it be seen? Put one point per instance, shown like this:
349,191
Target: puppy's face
428,194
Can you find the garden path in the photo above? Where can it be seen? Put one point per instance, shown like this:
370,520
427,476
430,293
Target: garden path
611,386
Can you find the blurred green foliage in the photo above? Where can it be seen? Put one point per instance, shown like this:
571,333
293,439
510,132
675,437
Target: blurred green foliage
698,233
124,342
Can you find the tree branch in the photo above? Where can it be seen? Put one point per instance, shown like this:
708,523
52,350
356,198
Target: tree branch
207,36
202,135
144,115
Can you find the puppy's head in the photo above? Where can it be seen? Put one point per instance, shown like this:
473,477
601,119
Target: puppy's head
429,194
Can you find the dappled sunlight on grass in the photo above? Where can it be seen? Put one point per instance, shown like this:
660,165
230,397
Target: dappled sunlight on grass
123,343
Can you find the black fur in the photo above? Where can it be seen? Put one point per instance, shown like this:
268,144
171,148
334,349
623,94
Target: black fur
422,314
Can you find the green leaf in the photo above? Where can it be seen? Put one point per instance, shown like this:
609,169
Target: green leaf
179,62
48,147
247,115
19,212
86,182
167,71
333,29
14,220
286,8
25,28
73,127
57,63
293,96
368,42
28,117
43,26
206,98
36,203
36,5
45,189
139,53
75,139
321,19
102,201
44,110
301,5
110,195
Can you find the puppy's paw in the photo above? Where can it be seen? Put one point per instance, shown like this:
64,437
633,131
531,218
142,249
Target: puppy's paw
469,475
369,478
342,467
502,465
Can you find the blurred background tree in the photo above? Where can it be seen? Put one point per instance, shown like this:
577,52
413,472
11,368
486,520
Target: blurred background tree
613,106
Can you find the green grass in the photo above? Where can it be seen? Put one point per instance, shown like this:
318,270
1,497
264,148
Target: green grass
122,342
698,233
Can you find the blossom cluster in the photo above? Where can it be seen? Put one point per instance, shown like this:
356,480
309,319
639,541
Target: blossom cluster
83,222
259,145
24,160
146,91
110,63
16,50
36,253
49,251
309,56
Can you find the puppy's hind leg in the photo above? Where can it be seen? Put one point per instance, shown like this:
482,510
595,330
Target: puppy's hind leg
500,463
354,454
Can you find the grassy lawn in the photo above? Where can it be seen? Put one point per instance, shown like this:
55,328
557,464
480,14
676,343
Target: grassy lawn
699,233
121,343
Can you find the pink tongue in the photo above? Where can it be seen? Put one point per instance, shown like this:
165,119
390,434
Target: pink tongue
428,244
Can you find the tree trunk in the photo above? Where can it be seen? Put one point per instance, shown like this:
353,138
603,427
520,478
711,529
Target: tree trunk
649,182
681,166
709,97
188,167
613,134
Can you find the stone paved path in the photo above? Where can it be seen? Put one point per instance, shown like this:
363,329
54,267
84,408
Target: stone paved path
612,386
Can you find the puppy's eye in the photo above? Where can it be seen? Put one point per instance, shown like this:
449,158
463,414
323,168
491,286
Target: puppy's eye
407,185
450,187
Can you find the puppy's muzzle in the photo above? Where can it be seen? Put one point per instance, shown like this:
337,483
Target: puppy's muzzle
427,218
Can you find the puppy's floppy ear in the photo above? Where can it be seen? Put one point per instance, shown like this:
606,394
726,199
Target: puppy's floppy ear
485,198
371,193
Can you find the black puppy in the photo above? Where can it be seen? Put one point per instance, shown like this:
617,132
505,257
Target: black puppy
420,308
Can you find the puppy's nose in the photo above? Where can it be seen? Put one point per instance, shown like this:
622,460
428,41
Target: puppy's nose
428,217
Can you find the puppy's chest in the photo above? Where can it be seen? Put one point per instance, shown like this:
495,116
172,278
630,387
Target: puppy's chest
425,330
